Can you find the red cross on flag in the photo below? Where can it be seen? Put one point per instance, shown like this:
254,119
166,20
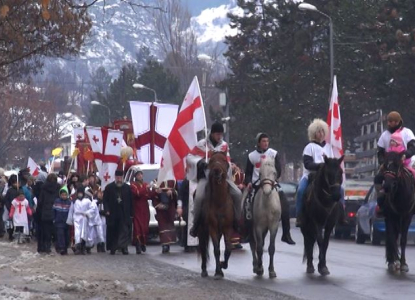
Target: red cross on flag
335,138
79,134
152,123
33,167
183,136
96,142
106,146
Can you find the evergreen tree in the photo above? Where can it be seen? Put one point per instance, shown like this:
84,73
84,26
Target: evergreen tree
166,85
100,81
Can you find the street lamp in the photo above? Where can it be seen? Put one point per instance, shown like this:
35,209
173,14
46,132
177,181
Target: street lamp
306,6
100,104
142,86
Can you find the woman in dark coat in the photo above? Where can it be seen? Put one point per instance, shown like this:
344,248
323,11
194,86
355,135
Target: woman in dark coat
8,198
50,191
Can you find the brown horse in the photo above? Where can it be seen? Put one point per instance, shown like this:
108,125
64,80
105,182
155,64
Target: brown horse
217,215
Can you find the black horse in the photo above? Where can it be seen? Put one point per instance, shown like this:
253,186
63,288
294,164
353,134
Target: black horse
321,210
398,209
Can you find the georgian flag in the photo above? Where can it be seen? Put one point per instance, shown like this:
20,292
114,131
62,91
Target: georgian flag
112,151
96,141
183,136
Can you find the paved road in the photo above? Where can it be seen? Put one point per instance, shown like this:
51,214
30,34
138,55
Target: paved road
357,271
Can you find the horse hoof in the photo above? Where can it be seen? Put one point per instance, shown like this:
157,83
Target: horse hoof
260,271
223,265
310,270
255,270
218,276
404,268
204,274
272,274
324,271
394,266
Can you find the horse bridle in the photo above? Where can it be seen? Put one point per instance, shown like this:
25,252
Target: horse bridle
265,181
330,186
221,172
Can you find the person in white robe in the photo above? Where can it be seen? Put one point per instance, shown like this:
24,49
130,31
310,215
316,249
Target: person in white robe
78,218
19,211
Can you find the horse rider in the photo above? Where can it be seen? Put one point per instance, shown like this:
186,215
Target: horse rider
313,158
395,127
198,164
252,179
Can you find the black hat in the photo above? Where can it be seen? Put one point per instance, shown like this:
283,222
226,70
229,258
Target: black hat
217,127
119,173
20,192
260,136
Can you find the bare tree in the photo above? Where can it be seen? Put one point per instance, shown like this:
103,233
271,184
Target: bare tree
177,39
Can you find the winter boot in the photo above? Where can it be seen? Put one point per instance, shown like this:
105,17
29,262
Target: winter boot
101,247
165,249
78,249
138,248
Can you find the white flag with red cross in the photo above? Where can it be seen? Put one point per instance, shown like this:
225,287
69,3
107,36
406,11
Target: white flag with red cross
183,136
335,138
33,167
79,134
97,145
152,123
111,155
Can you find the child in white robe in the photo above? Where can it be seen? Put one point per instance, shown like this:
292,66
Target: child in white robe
95,234
19,212
78,218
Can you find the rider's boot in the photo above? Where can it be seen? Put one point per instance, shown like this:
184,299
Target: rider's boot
285,220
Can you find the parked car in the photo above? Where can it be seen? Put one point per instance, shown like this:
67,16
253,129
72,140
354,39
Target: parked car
355,193
290,190
150,174
371,226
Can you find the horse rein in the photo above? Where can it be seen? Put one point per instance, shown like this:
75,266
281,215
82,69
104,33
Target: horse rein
268,181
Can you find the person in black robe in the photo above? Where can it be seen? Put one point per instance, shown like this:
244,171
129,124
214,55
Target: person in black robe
119,212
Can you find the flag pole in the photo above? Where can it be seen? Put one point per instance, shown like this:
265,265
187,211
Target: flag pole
204,116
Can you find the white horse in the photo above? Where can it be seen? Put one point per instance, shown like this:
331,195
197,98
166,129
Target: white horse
266,217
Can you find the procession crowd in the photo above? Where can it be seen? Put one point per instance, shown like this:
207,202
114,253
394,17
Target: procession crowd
75,213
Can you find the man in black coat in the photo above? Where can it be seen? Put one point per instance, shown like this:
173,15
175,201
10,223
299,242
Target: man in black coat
48,195
119,212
